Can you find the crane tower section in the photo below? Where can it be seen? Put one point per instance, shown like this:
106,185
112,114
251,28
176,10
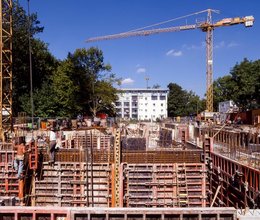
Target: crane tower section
5,66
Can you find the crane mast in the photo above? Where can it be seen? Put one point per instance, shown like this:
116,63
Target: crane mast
5,67
207,27
209,64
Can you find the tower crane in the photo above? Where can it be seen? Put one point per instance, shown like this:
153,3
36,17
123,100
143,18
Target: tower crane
206,26
5,66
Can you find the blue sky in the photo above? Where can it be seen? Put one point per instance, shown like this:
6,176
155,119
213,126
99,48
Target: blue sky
178,57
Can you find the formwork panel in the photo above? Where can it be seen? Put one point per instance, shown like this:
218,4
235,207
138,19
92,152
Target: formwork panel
239,183
95,140
25,216
8,177
7,216
165,185
73,184
162,157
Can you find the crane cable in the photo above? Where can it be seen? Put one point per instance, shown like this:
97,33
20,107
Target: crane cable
174,19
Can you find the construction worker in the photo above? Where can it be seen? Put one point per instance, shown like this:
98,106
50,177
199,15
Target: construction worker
53,142
19,158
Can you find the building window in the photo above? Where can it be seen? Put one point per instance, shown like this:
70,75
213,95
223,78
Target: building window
134,98
126,103
134,116
162,97
153,104
134,104
118,104
162,104
154,97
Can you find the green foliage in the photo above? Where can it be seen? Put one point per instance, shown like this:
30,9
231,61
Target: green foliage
223,89
104,97
82,83
43,102
181,102
176,100
43,62
242,85
156,86
65,90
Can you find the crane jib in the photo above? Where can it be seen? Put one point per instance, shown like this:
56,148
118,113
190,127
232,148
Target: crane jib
188,27
143,32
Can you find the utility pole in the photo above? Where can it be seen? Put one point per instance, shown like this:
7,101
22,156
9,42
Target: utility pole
147,79
30,62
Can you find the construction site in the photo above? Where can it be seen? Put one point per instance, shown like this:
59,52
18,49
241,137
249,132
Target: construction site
206,172
117,169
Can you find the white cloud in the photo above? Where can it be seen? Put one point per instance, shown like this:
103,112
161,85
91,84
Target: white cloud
127,81
141,70
219,45
222,44
194,47
174,53
232,44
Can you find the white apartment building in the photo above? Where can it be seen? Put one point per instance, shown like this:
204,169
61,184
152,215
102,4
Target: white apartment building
142,104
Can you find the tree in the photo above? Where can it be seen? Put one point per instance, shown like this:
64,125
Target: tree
176,100
44,105
104,97
80,83
65,90
183,103
223,89
156,86
43,62
242,85
246,77
83,83
194,105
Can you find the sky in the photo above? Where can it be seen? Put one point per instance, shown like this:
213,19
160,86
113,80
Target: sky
177,57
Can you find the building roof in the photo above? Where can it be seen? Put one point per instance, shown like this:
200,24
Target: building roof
143,89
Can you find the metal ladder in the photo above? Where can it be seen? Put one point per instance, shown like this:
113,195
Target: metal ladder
182,186
33,156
